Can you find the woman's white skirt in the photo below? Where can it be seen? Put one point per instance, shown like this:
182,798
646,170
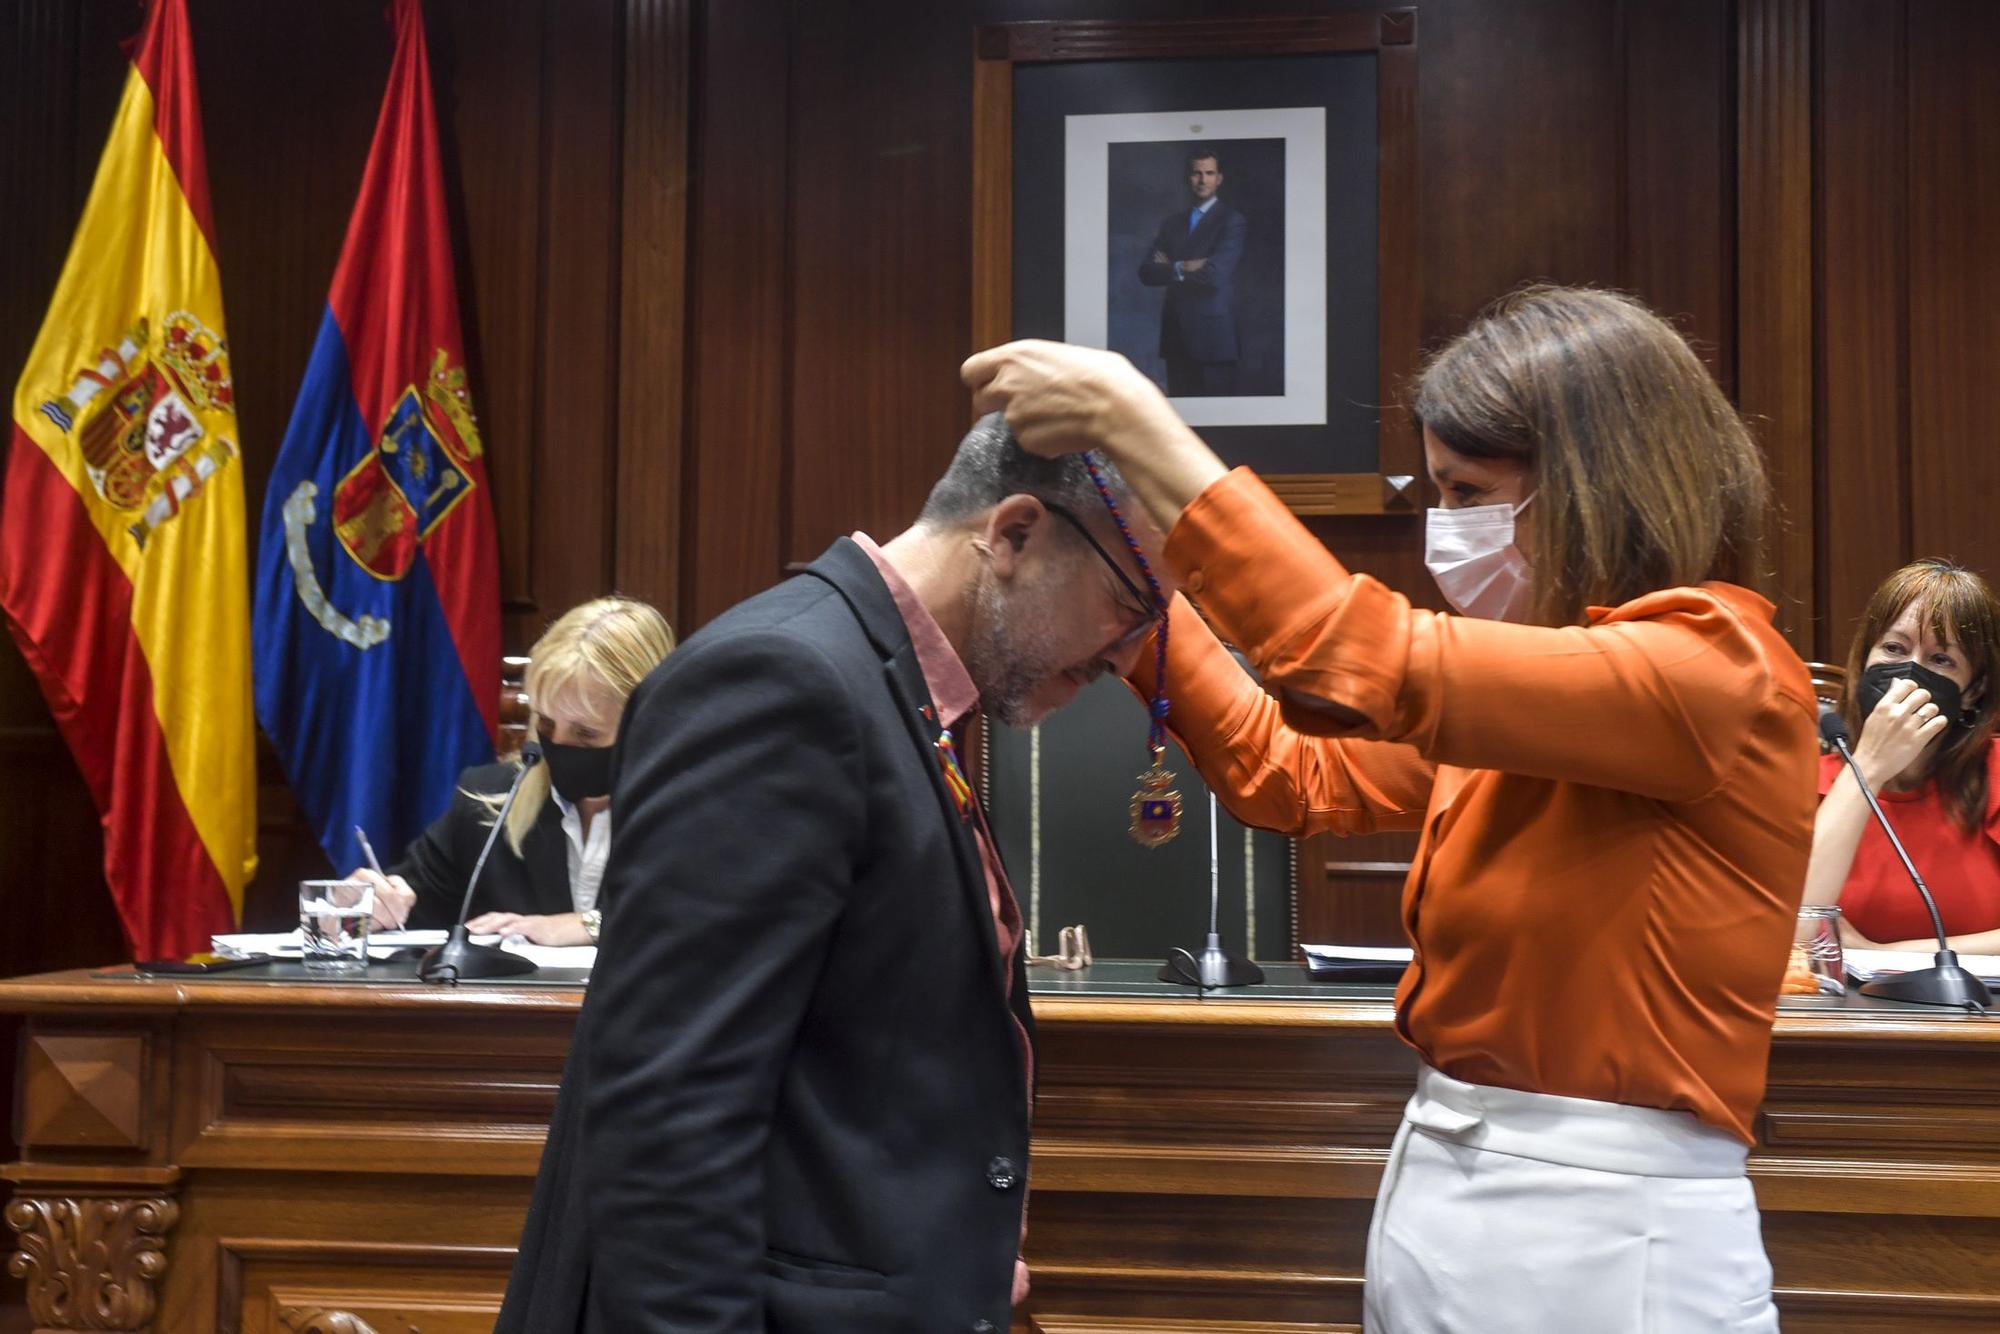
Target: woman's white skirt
1502,1212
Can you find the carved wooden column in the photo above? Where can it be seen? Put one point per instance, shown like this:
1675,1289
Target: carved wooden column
89,1256
92,1204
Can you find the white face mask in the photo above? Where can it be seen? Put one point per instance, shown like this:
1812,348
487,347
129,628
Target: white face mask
1471,554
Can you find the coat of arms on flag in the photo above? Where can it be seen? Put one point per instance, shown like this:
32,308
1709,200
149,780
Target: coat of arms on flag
418,472
377,626
122,540
137,415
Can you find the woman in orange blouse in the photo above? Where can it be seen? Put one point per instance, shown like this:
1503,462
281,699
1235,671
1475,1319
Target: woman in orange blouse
1610,756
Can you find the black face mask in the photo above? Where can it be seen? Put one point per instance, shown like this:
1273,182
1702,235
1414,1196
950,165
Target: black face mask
1875,684
578,772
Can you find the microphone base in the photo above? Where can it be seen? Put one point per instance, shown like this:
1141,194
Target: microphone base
459,960
1946,983
1210,968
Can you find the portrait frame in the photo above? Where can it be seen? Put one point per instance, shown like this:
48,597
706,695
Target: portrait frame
1386,40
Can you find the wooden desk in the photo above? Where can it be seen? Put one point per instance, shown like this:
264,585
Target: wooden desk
239,1155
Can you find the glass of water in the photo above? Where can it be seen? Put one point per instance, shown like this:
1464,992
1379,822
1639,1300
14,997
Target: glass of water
333,922
1816,947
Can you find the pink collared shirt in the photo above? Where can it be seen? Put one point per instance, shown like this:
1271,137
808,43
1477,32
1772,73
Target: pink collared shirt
954,696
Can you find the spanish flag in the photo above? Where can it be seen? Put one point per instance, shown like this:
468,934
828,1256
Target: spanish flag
122,569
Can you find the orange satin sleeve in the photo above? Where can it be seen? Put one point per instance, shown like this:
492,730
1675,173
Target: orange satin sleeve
1267,773
1648,698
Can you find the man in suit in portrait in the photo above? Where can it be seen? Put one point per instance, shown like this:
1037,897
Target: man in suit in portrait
1195,256
799,1093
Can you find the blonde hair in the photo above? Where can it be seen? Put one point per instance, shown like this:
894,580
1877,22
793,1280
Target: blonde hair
611,643
1646,478
1954,604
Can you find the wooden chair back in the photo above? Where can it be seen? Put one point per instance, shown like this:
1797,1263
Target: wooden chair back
1829,682
513,705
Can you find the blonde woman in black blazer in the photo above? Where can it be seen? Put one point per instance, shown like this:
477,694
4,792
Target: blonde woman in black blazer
541,880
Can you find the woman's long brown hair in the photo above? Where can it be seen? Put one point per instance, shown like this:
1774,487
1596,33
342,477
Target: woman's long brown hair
1956,605
1645,476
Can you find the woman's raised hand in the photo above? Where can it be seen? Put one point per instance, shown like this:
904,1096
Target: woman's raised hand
1060,398
1063,399
1895,734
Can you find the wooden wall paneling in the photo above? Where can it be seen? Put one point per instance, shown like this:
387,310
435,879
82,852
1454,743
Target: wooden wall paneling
652,301
880,218
1861,333
1774,295
492,71
573,436
740,310
992,248
1398,243
1517,164
1678,171
1954,280
1350,889
39,124
280,212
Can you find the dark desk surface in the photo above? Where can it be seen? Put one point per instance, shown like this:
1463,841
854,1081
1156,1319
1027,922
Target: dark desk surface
1111,990
1291,982
1134,977
378,974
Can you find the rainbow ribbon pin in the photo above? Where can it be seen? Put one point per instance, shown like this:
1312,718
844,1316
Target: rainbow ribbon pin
954,776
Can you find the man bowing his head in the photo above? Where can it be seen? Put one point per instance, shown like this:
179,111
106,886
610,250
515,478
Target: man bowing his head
799,1094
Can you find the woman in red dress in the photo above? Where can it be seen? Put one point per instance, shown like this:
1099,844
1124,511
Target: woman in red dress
1919,701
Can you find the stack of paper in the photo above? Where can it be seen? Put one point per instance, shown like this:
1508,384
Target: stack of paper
1865,965
288,945
381,944
551,956
1356,963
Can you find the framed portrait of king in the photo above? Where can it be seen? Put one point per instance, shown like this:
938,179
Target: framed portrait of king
1231,204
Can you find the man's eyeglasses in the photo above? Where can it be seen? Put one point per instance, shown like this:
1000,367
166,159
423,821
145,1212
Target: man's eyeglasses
1140,597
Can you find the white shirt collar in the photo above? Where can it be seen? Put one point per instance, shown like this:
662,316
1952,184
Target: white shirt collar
586,855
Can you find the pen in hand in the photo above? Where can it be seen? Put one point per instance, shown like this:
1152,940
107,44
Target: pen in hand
368,851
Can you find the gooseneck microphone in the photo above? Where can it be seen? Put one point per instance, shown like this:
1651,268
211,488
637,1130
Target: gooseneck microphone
458,958
1212,966
1945,982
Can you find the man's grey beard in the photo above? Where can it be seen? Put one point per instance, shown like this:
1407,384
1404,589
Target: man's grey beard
1008,652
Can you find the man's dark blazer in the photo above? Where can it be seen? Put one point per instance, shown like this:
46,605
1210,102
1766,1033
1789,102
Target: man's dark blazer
796,1100
439,862
1198,322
